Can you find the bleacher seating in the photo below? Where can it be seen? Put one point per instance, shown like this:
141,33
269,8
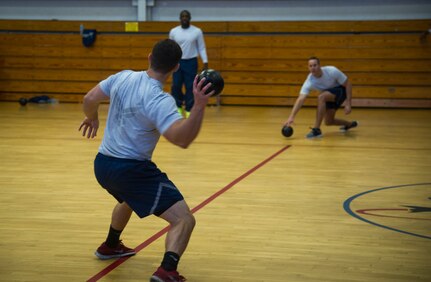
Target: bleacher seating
263,63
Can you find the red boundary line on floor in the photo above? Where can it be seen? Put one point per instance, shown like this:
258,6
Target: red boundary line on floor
159,234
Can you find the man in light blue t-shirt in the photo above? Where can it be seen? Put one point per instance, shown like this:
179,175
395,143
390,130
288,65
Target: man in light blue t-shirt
335,89
139,112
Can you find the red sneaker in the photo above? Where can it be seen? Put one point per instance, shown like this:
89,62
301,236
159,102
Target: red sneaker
162,275
105,252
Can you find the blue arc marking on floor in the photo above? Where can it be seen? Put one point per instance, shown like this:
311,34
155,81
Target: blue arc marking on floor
347,208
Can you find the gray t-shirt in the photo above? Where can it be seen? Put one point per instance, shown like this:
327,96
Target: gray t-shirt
139,112
331,77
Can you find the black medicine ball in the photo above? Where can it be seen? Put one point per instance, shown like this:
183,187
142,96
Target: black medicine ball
287,131
215,78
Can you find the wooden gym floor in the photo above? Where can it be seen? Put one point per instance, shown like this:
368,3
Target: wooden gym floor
346,207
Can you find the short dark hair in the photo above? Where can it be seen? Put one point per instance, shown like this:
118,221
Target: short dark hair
315,58
165,56
187,12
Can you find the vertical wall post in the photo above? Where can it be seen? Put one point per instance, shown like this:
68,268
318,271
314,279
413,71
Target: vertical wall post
142,10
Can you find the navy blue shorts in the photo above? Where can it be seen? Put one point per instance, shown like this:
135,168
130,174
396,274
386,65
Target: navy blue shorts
340,97
140,184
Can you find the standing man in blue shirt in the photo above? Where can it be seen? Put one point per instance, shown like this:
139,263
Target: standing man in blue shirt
192,43
139,112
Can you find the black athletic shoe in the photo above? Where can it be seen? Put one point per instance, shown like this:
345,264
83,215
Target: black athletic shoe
347,127
315,132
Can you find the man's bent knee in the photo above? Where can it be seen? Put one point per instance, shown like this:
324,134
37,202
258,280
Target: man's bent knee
326,97
189,219
186,220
